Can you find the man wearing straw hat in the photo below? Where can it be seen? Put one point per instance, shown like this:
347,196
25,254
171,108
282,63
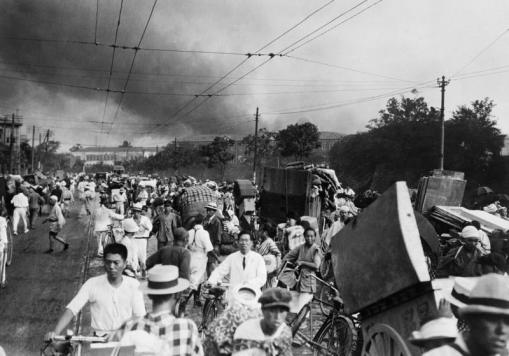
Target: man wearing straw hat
160,332
486,314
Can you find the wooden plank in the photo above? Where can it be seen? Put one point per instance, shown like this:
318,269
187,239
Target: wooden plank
380,253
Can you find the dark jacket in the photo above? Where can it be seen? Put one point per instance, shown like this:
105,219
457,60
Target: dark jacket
172,255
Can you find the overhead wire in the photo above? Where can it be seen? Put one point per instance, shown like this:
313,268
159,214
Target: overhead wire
185,105
481,52
112,63
132,65
331,28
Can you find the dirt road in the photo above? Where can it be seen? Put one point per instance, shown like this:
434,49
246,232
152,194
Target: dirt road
40,285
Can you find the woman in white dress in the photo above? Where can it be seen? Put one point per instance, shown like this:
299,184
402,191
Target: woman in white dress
200,246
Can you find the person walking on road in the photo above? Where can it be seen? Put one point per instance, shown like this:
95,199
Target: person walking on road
160,332
66,199
141,237
34,205
20,203
56,222
113,298
103,217
165,222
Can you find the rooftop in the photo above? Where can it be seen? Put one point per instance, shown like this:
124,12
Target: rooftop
117,149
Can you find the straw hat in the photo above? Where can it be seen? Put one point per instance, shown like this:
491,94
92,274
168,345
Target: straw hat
246,294
489,296
212,206
436,329
164,279
461,290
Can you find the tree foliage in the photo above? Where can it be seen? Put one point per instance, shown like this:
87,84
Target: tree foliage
218,152
266,147
298,140
403,143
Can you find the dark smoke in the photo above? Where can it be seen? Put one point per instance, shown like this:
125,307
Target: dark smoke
74,20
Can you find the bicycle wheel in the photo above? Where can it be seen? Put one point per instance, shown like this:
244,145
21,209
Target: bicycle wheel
10,244
326,299
299,319
338,336
209,314
3,277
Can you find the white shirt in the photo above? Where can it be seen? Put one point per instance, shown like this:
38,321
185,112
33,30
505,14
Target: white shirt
110,306
145,227
254,273
199,240
103,218
3,232
20,201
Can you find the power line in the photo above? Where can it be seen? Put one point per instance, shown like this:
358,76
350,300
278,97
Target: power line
132,65
96,20
355,101
112,63
333,27
180,109
324,25
297,24
481,52
348,69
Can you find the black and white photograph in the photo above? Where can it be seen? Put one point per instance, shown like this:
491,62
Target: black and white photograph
254,178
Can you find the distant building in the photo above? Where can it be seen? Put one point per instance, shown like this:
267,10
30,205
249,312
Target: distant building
110,155
6,126
328,139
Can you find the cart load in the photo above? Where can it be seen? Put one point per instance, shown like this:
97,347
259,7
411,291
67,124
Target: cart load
381,271
245,194
301,191
192,201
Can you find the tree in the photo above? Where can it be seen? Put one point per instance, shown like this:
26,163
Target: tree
403,143
218,152
76,147
266,146
298,140
473,142
126,144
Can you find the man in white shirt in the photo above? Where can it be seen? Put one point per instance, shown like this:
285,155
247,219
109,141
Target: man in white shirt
243,267
141,237
20,202
113,298
120,198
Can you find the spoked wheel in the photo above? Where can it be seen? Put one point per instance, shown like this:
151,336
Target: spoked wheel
326,299
383,340
209,314
338,337
10,245
3,265
299,319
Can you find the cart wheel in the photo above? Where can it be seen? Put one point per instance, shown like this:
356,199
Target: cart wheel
383,340
339,337
10,244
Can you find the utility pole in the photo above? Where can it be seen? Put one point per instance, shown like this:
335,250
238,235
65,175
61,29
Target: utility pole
175,144
255,156
33,147
11,147
442,83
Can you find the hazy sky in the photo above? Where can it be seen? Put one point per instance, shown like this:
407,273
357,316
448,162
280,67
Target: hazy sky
338,77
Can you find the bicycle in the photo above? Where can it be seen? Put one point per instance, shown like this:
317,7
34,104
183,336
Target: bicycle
214,300
337,335
69,345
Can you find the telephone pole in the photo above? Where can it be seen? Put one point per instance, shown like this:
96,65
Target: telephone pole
255,156
33,148
11,147
442,83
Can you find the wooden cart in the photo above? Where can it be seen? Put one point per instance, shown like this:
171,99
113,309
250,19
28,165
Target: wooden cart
381,272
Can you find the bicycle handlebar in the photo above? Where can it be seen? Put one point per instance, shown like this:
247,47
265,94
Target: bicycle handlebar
80,338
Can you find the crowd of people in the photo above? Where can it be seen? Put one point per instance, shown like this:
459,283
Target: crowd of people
191,259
